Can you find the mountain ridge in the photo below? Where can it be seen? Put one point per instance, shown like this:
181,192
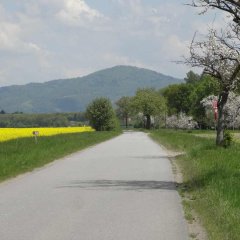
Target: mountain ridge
73,94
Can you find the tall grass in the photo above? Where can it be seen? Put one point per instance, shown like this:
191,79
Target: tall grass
23,154
211,178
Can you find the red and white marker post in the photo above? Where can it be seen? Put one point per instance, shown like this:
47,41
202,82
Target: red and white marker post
215,109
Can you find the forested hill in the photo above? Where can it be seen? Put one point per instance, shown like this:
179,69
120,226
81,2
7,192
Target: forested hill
70,95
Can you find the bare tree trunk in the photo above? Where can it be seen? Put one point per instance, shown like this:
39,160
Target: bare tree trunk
220,127
126,121
165,119
220,122
148,125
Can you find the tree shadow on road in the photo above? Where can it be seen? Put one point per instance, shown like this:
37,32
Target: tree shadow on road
122,185
151,157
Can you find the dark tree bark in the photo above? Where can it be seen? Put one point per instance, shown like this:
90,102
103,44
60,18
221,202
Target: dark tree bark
223,97
148,124
126,121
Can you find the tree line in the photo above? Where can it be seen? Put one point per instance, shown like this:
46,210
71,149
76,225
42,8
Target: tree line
41,120
175,106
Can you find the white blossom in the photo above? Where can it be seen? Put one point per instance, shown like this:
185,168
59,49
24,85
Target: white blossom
231,109
181,122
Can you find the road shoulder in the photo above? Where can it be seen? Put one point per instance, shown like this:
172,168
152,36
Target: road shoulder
195,229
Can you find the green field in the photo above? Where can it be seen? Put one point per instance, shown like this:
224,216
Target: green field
211,180
23,155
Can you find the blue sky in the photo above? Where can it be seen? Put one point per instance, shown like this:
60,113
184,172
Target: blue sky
42,40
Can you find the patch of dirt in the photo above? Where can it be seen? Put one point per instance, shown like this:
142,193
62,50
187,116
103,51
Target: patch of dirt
195,229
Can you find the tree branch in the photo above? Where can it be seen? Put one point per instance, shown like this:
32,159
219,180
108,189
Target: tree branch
230,6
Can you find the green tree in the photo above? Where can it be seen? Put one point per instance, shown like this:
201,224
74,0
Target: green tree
150,103
101,114
192,77
124,108
178,98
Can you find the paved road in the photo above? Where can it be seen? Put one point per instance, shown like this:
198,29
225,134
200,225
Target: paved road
121,189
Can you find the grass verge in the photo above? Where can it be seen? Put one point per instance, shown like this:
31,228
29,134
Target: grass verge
211,181
23,154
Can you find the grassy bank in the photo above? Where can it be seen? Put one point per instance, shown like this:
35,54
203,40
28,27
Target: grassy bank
22,155
211,179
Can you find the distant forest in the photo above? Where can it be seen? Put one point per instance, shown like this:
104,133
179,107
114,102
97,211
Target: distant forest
41,120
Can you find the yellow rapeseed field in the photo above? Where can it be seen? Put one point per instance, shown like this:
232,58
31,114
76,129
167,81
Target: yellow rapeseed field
13,133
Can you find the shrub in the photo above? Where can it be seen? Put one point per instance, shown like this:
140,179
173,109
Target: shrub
228,139
101,115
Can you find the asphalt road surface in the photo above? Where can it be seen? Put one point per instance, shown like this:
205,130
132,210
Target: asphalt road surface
122,189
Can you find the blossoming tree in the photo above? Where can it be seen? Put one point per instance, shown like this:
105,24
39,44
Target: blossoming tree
231,109
218,55
182,121
223,63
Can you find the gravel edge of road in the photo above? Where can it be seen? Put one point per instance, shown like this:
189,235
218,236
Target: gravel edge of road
196,230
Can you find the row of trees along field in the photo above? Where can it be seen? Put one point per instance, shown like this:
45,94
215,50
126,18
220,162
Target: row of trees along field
41,120
187,105
139,110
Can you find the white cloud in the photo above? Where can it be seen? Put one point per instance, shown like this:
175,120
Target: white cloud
9,35
141,19
112,59
77,72
12,40
175,47
41,55
32,9
135,6
16,40
78,13
51,39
